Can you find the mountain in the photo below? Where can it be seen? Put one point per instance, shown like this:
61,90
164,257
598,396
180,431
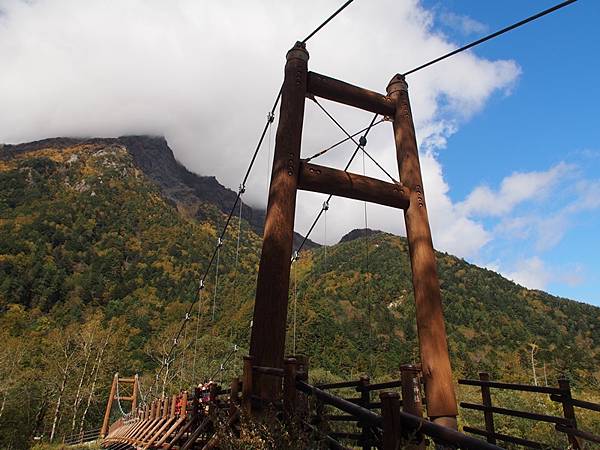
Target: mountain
102,246
152,155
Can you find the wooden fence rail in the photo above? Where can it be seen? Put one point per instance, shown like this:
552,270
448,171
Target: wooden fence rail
566,424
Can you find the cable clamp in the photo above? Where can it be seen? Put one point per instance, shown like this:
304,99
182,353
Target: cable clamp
270,117
325,206
242,189
201,285
219,242
363,141
187,316
295,256
175,341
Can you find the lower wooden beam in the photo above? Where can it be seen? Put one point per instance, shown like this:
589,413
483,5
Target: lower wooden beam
326,180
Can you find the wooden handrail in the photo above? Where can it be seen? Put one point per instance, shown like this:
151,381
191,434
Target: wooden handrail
512,386
409,422
515,413
511,439
578,403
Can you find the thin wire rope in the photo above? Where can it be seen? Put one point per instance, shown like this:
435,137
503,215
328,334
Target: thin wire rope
246,175
325,236
237,253
354,140
196,337
358,147
322,152
139,387
368,282
491,36
119,400
316,30
214,305
214,253
224,362
294,264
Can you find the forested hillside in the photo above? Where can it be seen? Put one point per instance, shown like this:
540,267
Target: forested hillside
102,246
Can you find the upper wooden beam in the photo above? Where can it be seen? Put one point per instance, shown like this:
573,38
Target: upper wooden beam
326,180
348,94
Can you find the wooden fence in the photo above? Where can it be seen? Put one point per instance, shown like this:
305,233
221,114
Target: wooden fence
567,423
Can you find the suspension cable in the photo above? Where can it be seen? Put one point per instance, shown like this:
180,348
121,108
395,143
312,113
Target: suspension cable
491,36
354,140
361,144
316,30
224,362
270,118
219,245
215,250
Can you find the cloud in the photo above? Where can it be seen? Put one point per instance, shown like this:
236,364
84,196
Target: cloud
204,74
514,189
534,273
531,273
463,24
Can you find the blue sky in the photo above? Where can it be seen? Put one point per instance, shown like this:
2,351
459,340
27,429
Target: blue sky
509,136
550,117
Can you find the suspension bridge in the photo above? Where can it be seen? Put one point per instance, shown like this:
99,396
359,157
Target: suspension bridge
418,408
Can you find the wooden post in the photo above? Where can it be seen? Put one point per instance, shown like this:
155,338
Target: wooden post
437,373
289,387
267,343
302,368
365,399
234,396
411,390
488,416
247,385
134,395
111,398
411,398
390,410
568,410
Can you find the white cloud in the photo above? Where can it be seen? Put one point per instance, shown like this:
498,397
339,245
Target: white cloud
531,273
534,273
514,189
463,24
204,74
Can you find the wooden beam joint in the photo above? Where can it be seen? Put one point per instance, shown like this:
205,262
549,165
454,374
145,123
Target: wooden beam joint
326,180
348,94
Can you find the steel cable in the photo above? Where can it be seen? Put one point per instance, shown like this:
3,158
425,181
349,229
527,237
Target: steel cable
491,36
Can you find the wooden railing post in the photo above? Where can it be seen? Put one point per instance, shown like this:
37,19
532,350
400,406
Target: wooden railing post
302,368
247,385
390,410
365,399
234,395
411,390
488,415
289,387
411,397
568,411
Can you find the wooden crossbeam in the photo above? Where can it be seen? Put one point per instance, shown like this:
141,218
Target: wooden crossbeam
326,180
348,94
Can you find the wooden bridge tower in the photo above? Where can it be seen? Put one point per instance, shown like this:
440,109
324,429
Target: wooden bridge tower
290,173
116,395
